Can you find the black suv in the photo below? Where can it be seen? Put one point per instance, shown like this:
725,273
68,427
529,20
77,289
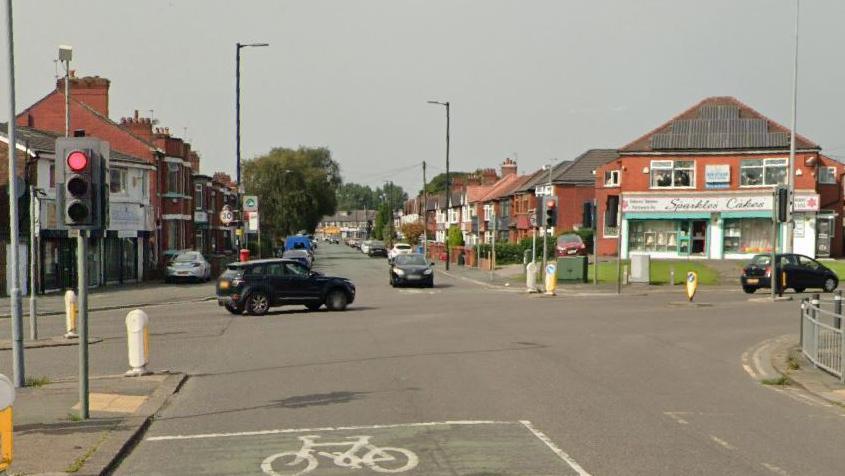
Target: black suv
377,248
256,286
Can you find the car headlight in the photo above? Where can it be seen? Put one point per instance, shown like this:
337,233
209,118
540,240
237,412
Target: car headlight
427,271
398,272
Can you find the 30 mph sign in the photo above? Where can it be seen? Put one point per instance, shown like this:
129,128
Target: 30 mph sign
226,216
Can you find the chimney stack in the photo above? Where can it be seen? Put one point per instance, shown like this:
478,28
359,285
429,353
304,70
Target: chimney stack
92,91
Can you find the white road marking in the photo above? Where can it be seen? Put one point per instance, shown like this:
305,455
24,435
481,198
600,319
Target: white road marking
722,442
326,428
674,416
775,469
561,454
747,366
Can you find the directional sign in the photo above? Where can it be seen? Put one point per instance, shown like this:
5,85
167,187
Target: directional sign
226,216
692,284
250,203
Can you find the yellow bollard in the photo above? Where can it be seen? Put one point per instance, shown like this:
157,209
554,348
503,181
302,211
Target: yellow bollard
551,279
7,398
71,313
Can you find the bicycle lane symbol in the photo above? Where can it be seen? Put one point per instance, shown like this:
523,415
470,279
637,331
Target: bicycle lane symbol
379,459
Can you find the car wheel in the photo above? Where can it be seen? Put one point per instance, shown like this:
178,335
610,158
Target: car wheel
830,284
257,303
336,300
313,307
799,290
168,280
749,289
234,309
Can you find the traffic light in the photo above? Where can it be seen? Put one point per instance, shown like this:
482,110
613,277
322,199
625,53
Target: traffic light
550,211
782,204
82,182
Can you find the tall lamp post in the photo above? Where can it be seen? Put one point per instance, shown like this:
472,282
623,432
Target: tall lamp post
790,182
238,47
448,183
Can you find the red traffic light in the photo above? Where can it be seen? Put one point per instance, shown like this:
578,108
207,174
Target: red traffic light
550,204
77,161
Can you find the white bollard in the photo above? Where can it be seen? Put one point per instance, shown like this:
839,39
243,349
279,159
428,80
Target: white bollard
531,277
138,342
71,311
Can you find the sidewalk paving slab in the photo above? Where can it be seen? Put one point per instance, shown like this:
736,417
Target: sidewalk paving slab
50,439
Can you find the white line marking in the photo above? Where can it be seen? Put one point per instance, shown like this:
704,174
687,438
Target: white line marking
746,365
561,454
775,469
326,428
674,416
722,442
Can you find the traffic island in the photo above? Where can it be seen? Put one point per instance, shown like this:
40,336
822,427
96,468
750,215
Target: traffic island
50,437
6,344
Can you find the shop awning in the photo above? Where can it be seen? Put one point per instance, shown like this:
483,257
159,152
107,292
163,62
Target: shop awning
667,216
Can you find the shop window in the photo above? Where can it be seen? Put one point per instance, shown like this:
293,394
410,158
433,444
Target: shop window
827,175
653,235
117,180
762,172
748,235
611,178
672,174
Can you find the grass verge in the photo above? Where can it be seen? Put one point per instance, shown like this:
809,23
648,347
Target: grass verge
36,381
782,380
660,270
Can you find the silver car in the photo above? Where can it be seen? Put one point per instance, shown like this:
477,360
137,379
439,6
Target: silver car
188,266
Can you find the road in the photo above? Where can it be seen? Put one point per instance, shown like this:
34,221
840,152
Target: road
466,379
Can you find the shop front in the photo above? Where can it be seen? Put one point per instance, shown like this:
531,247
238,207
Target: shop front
712,226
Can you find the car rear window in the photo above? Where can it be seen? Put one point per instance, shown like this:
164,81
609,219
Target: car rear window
566,239
761,260
232,272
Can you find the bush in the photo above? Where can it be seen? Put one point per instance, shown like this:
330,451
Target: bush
455,237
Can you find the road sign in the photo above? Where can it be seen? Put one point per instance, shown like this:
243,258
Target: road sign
250,203
226,216
533,220
692,284
252,222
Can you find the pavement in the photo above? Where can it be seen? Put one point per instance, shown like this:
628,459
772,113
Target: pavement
123,297
50,438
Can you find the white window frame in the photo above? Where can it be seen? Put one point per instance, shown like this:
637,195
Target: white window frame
198,196
123,176
612,178
670,166
831,172
770,162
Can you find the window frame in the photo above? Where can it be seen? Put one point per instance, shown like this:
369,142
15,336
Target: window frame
616,178
123,181
832,174
764,164
671,166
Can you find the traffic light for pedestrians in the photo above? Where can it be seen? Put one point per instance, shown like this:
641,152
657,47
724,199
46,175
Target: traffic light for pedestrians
782,204
550,211
82,182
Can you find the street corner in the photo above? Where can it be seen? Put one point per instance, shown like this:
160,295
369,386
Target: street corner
432,448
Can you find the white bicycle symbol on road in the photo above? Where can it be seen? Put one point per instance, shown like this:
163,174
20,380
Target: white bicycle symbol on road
379,459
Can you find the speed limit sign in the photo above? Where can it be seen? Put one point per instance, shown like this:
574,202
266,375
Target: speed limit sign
226,216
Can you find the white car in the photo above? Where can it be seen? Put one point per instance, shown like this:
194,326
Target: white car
399,249
188,265
365,246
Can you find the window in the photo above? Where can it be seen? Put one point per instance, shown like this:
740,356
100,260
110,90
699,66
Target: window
762,172
145,186
611,178
198,204
827,174
173,184
653,235
749,235
295,269
52,175
117,180
672,174
611,226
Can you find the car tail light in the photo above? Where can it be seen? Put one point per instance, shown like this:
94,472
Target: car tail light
768,271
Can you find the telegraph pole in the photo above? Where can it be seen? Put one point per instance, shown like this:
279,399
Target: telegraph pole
790,224
425,213
448,184
16,309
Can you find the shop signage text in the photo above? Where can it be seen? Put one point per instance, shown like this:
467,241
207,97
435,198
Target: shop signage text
717,175
728,203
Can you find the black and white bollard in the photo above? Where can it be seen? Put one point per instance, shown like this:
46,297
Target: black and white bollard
138,343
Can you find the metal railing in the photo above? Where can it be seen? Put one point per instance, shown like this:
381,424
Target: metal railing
822,336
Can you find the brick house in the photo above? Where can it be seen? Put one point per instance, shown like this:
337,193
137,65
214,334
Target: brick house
700,186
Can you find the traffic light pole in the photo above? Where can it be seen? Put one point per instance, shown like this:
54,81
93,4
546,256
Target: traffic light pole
82,324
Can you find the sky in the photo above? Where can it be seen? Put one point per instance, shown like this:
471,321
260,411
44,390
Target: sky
534,80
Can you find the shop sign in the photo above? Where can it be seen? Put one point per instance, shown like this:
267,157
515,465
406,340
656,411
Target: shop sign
717,176
126,216
725,203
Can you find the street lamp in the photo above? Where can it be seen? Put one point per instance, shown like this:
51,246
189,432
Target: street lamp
448,183
238,47
790,181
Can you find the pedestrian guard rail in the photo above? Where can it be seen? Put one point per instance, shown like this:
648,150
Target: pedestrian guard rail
822,336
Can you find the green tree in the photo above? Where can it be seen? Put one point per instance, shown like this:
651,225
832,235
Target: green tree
437,184
295,188
353,196
455,237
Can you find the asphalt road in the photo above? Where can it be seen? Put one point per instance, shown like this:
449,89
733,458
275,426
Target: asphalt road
465,379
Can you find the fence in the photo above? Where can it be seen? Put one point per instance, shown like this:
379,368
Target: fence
822,337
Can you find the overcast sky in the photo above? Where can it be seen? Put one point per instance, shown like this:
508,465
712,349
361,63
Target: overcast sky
538,79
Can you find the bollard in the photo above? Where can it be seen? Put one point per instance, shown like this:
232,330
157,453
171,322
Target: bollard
625,274
138,342
71,311
551,279
531,277
671,275
837,309
7,399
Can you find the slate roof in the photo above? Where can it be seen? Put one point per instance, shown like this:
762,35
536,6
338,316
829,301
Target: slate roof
541,177
580,170
717,123
38,141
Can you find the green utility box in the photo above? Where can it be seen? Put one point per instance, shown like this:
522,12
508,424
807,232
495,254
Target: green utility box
572,269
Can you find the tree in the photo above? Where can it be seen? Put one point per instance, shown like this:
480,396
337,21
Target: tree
438,183
382,222
413,231
455,237
352,196
296,188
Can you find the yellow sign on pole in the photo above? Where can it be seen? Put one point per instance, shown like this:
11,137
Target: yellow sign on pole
692,284
7,398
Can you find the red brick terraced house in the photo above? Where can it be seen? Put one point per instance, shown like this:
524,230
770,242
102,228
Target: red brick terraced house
700,186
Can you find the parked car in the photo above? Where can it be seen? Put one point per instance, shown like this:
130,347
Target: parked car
570,244
298,242
256,286
376,248
302,256
411,269
188,266
365,246
800,272
399,249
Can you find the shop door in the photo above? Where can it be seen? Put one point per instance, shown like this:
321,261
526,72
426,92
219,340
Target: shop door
824,230
698,241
